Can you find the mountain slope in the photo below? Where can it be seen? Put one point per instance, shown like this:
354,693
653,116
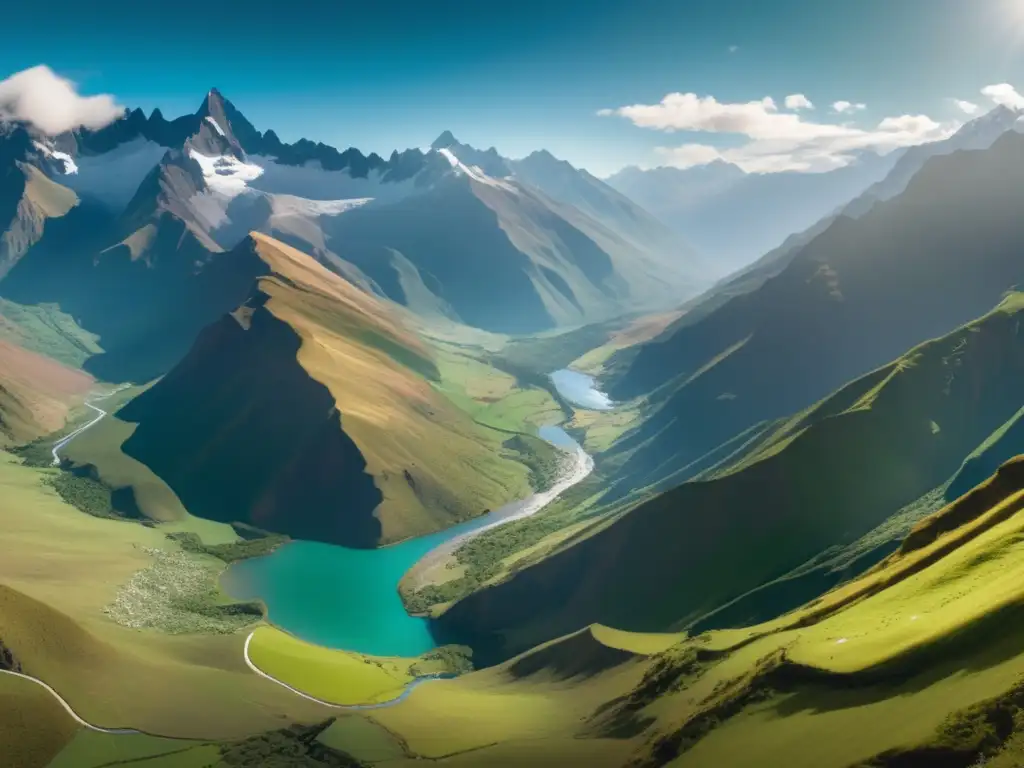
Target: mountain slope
912,268
596,200
145,296
35,393
820,479
28,199
314,410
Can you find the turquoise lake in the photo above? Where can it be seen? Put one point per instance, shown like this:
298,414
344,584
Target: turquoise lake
348,598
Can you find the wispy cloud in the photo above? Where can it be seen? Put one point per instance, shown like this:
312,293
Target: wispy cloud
967,107
844,107
798,101
51,103
733,48
1004,94
776,141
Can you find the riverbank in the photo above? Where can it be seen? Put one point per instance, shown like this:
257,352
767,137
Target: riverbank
430,568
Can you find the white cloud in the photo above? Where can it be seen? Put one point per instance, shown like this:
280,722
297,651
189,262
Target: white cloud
776,141
1004,94
843,107
733,48
51,103
967,107
798,101
690,155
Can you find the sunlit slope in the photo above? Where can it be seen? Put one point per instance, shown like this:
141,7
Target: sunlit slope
334,676
854,296
869,674
914,663
35,393
819,480
531,710
315,411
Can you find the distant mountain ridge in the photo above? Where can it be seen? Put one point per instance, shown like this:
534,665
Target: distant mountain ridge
706,201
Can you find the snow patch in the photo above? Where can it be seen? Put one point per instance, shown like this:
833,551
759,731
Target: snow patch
450,157
290,205
474,172
215,125
69,164
225,174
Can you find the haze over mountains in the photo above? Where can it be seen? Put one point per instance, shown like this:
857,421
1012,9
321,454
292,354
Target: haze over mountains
705,201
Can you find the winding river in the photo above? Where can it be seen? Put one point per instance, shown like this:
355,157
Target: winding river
348,598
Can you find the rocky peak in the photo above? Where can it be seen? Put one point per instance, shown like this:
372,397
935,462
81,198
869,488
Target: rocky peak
445,140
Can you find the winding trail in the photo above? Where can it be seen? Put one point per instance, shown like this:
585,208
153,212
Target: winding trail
60,699
69,437
67,707
409,688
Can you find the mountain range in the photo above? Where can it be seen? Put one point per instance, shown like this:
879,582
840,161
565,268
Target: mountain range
796,367
137,212
231,365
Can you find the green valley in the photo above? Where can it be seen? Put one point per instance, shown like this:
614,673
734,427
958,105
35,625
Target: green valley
460,452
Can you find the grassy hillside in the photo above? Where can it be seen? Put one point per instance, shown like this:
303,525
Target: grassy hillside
820,479
856,295
314,410
903,666
48,331
35,393
65,628
1003,444
33,726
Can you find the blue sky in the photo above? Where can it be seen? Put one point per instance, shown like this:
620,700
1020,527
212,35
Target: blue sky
527,74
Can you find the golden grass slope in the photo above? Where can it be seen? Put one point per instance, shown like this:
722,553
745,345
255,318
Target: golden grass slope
35,393
378,372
